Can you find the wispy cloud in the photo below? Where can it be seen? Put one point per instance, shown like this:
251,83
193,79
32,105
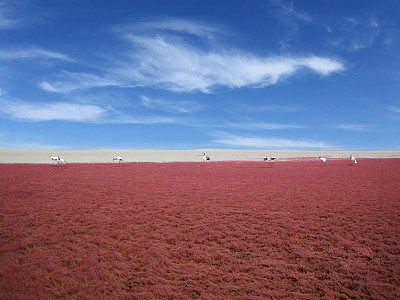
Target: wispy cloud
266,126
171,106
180,67
352,34
7,21
68,81
117,117
292,19
394,109
250,125
13,54
268,142
201,30
275,108
391,35
355,127
50,111
245,107
75,112
168,59
287,10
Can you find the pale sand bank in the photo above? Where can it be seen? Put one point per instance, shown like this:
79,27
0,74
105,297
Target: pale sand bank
106,156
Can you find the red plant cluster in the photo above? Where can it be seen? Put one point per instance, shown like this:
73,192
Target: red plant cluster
246,230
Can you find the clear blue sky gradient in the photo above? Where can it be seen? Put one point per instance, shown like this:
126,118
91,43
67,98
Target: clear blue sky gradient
144,74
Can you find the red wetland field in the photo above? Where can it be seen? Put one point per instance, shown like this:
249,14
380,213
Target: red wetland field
218,230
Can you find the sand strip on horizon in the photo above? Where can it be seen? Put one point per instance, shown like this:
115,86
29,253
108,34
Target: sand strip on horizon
106,156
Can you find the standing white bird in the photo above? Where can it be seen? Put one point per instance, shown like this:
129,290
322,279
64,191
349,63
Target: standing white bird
205,157
353,159
118,158
323,159
267,158
58,159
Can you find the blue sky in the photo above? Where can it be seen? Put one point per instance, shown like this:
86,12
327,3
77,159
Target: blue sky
191,74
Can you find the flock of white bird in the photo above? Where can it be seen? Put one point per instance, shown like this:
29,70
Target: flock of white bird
206,158
352,158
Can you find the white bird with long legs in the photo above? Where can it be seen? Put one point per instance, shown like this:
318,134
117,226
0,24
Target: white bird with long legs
58,159
271,159
118,158
353,159
323,159
206,158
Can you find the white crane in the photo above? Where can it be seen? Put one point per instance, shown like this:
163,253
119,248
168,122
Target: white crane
267,158
118,158
58,159
323,159
353,159
205,157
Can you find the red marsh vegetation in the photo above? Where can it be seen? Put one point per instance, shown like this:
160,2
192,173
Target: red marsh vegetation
243,230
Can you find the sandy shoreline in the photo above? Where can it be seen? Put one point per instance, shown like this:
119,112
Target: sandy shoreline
104,156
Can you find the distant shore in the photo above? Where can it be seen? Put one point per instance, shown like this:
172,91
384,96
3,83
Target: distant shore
106,156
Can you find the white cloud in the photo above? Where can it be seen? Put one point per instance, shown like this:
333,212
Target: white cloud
394,109
250,125
274,108
266,126
247,107
356,127
292,19
287,11
13,54
40,112
321,65
177,25
117,117
173,62
180,67
391,36
266,142
68,81
51,111
170,105
7,21
353,34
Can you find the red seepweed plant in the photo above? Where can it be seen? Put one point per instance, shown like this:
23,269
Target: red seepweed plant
245,230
